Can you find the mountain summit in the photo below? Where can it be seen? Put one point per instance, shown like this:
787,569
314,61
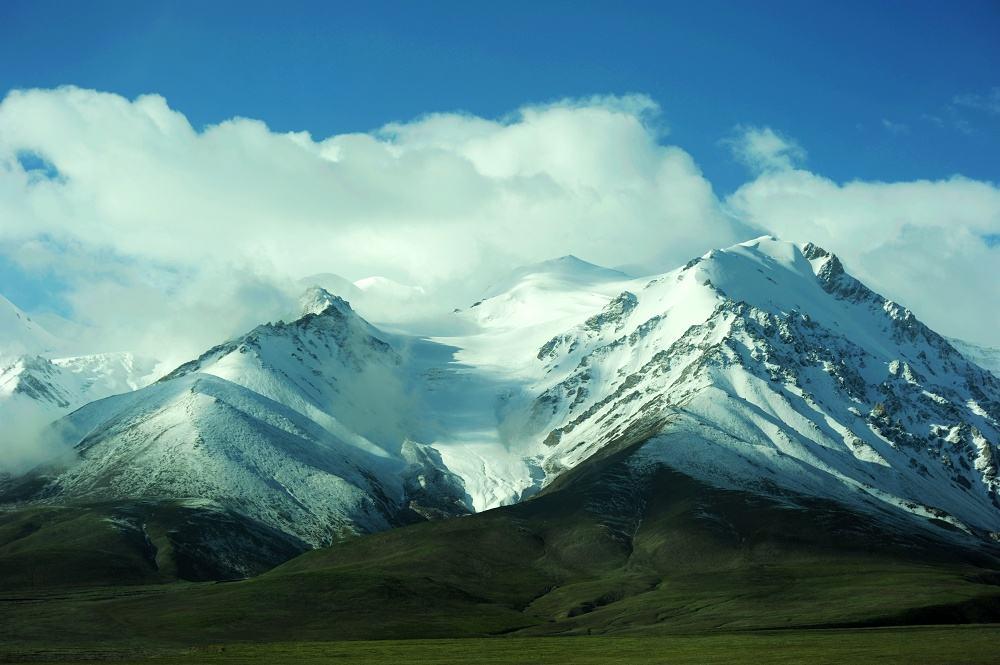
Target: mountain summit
766,365
762,368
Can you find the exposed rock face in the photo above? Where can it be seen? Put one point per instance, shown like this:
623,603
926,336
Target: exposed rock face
837,391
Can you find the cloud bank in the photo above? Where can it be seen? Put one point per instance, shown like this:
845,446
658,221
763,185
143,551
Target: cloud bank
158,227
926,244
171,237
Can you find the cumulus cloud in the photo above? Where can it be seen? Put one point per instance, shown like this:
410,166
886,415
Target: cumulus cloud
154,223
925,244
167,238
762,150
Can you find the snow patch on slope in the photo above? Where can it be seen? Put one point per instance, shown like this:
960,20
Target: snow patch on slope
20,335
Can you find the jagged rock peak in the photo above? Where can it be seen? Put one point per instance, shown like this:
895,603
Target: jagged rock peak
614,312
317,300
812,251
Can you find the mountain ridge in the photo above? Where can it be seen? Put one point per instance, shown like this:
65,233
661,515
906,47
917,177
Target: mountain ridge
756,368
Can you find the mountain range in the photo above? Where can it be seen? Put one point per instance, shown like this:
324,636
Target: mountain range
758,404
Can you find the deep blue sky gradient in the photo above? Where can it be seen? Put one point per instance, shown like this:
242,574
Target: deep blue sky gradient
827,74
830,75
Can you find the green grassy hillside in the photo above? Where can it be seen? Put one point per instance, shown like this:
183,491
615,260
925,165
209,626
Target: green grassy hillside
604,552
87,545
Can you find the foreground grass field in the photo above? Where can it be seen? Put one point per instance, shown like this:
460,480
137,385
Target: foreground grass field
955,645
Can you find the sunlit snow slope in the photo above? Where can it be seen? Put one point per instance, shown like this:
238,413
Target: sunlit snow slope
37,385
297,425
763,366
758,366
62,384
20,335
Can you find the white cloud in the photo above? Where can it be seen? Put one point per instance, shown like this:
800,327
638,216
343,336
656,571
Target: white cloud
762,149
988,102
895,128
170,239
164,232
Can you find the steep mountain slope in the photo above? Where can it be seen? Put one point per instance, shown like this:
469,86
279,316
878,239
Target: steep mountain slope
35,390
763,369
20,335
766,365
294,425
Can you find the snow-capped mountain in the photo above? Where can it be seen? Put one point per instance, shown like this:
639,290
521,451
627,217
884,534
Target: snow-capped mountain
767,365
376,298
67,383
20,335
38,383
763,367
296,425
34,391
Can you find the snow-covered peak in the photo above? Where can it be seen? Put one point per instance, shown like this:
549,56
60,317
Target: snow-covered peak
541,298
759,366
555,274
20,335
70,382
34,391
330,365
570,266
104,374
334,284
764,270
785,278
767,362
300,425
317,300
377,299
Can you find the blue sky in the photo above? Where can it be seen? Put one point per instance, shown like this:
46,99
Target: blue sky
868,88
631,134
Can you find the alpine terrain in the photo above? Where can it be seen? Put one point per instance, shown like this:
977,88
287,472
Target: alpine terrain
580,450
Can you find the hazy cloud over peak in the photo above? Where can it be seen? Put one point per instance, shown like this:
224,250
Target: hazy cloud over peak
150,211
157,231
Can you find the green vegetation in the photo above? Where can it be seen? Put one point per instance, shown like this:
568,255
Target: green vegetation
68,546
690,569
98,544
957,645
